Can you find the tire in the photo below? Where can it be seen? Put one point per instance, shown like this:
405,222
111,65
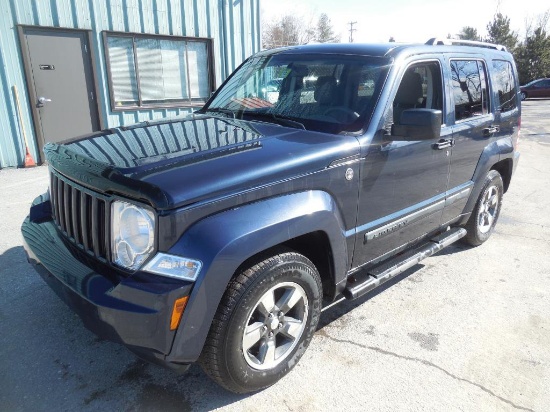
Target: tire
481,223
523,95
264,323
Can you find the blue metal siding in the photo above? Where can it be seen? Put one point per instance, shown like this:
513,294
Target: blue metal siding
193,18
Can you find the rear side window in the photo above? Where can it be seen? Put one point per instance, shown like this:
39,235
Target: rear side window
469,81
505,85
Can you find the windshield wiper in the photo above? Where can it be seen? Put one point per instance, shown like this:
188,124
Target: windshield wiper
221,110
283,121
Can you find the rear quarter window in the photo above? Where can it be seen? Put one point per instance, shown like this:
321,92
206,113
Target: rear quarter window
505,85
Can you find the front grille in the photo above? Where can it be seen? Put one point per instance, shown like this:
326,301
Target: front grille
82,215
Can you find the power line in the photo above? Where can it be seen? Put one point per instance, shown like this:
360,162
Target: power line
351,30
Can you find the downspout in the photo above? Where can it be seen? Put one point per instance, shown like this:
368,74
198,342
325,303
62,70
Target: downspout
259,27
224,15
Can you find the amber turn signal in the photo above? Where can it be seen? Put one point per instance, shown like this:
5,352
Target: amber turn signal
179,307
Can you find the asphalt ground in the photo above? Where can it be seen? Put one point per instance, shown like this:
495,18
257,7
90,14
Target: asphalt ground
466,330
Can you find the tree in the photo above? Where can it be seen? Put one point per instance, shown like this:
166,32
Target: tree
533,56
291,30
469,33
499,32
287,31
324,32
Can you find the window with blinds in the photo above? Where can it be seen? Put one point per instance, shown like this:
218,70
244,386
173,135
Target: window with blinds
152,71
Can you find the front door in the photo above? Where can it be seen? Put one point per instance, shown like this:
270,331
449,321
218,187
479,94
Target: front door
404,181
60,81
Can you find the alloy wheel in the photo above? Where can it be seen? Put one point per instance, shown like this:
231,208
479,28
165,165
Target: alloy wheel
275,326
488,209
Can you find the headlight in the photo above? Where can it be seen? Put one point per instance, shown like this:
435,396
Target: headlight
133,234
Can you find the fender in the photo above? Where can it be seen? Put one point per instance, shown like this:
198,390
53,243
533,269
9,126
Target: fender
493,153
222,242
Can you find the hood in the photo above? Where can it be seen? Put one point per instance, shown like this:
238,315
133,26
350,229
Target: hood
179,162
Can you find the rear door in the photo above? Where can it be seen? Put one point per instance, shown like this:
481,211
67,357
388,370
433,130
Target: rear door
474,128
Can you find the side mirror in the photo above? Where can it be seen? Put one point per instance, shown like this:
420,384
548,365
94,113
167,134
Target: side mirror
418,124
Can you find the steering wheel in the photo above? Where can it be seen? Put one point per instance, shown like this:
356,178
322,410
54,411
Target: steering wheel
342,114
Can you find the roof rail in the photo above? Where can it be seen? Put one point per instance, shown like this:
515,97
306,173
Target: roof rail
448,42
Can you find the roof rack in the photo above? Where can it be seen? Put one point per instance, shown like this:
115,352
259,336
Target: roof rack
448,42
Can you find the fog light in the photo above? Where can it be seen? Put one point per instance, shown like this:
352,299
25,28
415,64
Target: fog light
174,266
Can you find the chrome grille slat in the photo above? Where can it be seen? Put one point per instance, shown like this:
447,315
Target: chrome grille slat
101,229
74,214
60,219
106,231
95,226
81,215
53,190
83,219
56,197
67,208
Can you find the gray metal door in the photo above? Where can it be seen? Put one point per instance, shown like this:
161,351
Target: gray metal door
61,83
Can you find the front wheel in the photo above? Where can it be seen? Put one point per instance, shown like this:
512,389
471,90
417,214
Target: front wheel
523,95
264,323
486,211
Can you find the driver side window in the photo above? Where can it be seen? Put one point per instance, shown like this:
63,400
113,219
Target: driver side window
420,87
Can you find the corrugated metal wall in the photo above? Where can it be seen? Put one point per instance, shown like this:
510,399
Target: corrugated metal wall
238,39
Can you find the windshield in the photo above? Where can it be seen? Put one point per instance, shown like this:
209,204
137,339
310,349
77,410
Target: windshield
326,92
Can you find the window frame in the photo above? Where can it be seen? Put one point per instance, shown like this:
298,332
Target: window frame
190,102
488,84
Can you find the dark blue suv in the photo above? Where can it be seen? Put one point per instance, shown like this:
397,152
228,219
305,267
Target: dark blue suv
314,172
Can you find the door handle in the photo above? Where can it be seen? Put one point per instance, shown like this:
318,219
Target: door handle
42,100
488,131
444,143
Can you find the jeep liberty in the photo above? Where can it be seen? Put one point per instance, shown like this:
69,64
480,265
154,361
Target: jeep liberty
313,172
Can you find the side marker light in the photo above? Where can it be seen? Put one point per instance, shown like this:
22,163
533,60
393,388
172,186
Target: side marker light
177,312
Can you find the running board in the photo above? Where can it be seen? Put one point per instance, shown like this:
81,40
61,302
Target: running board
364,281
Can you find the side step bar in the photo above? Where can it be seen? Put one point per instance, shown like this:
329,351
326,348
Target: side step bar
364,281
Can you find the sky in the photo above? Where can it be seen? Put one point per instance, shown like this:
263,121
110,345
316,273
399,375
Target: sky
407,20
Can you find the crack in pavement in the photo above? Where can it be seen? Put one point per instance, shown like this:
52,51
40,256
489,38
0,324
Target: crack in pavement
530,223
520,236
426,363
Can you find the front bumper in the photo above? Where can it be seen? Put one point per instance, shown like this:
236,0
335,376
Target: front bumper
133,310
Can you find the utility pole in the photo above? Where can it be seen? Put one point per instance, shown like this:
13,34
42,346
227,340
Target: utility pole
351,30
